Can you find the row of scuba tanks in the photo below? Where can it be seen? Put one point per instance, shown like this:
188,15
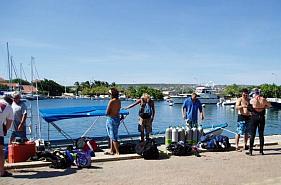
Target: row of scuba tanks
185,134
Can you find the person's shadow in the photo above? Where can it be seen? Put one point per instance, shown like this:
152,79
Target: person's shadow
271,151
34,174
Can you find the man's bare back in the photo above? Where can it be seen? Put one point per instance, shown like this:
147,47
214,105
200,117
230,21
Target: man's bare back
113,107
260,103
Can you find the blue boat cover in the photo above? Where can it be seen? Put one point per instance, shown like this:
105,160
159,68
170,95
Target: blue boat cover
51,115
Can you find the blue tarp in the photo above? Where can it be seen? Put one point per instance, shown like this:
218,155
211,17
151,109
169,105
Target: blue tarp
50,115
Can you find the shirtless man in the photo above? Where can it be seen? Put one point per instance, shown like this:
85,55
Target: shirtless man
113,121
259,105
242,104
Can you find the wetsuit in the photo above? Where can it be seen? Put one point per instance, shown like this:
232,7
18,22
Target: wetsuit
257,121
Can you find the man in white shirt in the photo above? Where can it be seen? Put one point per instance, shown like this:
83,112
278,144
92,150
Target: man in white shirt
20,115
6,119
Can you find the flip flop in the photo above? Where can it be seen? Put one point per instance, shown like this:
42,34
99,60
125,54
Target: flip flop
6,174
108,153
238,150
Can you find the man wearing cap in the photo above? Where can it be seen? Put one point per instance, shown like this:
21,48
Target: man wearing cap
259,104
190,109
6,119
20,114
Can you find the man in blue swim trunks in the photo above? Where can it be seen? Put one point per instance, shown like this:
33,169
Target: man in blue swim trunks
113,121
241,105
190,109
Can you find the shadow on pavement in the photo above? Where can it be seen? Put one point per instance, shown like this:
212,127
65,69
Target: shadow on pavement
38,174
271,151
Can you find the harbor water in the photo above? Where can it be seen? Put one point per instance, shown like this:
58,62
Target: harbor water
165,116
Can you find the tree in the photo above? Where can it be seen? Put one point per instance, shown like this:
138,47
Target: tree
20,81
50,86
137,93
4,87
77,87
232,90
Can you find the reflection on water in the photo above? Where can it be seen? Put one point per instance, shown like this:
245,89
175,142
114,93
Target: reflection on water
165,116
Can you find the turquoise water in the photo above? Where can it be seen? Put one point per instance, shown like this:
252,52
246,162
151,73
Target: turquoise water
165,116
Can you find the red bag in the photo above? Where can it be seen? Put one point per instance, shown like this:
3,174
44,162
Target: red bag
90,145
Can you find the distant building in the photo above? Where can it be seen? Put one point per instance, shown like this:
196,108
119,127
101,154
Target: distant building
25,89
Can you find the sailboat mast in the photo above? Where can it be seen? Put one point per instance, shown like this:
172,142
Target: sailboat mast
31,63
9,67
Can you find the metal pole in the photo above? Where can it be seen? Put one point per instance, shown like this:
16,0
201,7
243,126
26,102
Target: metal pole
9,67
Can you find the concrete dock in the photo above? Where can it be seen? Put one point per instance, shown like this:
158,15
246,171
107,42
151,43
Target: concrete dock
211,168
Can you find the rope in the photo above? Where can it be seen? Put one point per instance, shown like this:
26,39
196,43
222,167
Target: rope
229,131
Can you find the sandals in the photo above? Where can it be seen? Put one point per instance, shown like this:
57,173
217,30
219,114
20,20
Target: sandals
6,174
108,153
238,150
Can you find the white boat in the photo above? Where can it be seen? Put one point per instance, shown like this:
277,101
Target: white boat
229,102
179,99
275,102
206,95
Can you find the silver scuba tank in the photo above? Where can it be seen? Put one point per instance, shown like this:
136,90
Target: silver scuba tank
194,135
175,135
188,134
200,132
168,136
181,134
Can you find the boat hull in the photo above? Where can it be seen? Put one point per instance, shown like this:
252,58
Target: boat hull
180,100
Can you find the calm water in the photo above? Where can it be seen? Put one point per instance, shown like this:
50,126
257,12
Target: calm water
165,116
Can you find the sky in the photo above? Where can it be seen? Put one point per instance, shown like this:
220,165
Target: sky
144,41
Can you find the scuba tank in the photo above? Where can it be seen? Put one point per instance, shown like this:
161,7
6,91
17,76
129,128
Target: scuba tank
194,134
174,135
188,134
200,132
181,134
168,136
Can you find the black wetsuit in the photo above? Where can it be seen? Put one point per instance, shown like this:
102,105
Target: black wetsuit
257,121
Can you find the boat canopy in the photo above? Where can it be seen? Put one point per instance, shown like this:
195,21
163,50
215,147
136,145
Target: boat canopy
56,114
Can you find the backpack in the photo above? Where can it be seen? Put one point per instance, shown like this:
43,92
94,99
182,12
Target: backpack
180,149
83,159
214,142
60,160
86,144
145,111
127,148
148,150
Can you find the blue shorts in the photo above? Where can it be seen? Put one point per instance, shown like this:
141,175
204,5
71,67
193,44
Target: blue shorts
242,125
112,125
2,140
